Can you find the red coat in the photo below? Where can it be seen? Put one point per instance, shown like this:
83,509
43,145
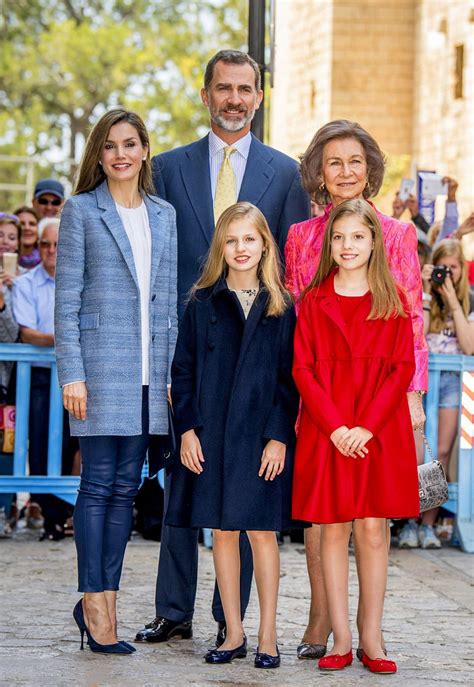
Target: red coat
355,375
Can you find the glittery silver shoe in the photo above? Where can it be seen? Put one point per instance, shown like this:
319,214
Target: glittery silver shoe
311,651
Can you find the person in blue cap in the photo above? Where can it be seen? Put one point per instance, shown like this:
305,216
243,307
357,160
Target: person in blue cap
48,198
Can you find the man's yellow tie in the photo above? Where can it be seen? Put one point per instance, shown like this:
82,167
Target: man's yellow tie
226,188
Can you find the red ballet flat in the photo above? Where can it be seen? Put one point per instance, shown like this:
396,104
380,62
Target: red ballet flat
379,665
335,662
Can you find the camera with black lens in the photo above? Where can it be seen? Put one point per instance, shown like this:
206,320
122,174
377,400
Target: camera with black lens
439,274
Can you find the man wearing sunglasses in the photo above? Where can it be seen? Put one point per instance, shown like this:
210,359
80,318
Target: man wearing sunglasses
48,198
33,308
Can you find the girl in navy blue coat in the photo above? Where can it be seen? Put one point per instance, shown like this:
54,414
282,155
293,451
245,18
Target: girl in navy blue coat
235,406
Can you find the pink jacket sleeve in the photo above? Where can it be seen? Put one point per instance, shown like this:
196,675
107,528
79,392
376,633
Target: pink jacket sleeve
292,268
404,265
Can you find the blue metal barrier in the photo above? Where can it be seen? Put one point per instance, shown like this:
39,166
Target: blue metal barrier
461,501
53,483
461,492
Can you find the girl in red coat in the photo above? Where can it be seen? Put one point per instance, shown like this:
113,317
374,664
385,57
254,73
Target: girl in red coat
355,462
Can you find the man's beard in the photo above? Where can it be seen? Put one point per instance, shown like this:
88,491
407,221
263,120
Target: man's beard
232,125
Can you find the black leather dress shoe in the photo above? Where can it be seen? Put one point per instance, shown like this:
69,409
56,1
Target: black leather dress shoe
218,656
266,661
221,633
162,629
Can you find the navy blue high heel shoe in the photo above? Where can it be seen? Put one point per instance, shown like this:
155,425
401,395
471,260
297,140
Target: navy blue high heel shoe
118,648
226,656
266,661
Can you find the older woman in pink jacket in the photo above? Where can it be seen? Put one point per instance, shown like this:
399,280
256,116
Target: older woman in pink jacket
342,162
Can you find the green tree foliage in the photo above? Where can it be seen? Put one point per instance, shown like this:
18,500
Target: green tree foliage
63,63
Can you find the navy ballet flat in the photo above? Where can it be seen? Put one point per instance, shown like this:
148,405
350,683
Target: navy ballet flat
266,661
118,648
226,656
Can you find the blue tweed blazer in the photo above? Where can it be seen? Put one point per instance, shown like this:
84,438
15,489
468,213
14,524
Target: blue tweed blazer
97,313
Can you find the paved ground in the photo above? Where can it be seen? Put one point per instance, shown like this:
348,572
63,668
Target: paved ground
429,623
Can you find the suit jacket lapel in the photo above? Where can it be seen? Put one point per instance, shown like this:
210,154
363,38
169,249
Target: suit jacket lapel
157,236
258,172
197,182
114,225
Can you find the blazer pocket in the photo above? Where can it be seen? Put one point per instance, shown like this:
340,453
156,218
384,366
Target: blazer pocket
89,320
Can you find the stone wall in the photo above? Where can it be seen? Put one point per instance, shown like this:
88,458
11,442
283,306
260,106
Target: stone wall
372,68
443,125
388,64
301,98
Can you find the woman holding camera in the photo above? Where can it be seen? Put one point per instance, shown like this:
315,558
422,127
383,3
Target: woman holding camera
449,329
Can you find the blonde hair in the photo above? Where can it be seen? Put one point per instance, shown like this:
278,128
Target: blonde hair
386,300
90,173
269,267
438,312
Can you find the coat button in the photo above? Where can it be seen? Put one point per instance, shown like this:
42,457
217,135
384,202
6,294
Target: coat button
153,297
213,319
211,345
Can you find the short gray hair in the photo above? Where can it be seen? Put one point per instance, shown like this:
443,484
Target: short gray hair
231,57
46,222
312,159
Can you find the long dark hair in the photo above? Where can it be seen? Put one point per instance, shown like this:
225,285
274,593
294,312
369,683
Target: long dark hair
90,173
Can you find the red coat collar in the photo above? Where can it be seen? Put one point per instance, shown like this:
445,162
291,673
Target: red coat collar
329,303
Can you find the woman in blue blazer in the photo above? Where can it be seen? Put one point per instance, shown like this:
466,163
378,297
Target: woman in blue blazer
115,333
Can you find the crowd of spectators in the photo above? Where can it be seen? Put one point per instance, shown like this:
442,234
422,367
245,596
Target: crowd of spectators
439,245
28,240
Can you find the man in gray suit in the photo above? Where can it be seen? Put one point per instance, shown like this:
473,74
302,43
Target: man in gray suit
188,178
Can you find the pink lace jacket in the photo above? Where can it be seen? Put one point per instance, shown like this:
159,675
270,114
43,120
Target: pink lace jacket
302,252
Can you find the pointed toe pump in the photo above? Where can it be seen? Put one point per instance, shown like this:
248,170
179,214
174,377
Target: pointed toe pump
117,648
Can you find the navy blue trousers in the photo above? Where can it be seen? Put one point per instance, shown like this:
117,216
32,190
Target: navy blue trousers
110,478
177,572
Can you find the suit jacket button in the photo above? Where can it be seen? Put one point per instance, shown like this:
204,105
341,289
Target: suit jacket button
211,345
153,297
213,319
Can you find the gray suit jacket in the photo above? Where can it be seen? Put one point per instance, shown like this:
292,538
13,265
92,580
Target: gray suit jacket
97,313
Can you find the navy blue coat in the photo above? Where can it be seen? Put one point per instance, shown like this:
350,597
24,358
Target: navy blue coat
182,177
232,383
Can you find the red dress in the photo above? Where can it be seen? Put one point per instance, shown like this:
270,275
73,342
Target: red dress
353,373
